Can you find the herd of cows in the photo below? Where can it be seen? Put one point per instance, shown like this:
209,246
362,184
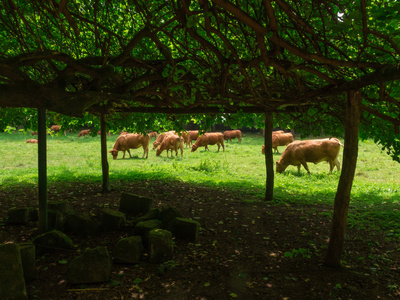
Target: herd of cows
296,153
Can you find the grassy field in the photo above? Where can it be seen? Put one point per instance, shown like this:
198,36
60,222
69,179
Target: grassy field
241,167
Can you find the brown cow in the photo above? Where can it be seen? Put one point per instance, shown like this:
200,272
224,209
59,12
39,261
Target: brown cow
131,141
171,142
33,141
84,132
300,152
192,136
34,133
209,138
229,135
99,133
153,134
55,128
279,139
160,138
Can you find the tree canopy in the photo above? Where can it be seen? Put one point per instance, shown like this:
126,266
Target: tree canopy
294,58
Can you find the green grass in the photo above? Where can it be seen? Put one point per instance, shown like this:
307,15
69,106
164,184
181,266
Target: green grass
241,166
375,193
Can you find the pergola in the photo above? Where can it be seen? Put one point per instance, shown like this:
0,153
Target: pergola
185,57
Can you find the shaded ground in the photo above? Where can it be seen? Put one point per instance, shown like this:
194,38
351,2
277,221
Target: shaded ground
245,250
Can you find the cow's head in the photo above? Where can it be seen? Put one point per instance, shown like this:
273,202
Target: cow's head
158,152
155,145
280,167
114,153
194,148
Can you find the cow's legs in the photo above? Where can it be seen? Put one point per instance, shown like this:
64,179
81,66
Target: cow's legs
305,166
129,153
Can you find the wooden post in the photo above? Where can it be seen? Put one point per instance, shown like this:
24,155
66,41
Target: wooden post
342,198
269,160
42,170
104,161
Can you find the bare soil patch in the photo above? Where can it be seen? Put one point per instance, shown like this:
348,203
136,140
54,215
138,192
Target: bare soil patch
242,251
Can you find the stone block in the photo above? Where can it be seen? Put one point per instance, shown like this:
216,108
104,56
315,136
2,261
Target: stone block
94,265
161,246
134,205
112,219
22,216
128,250
186,229
12,282
28,258
82,224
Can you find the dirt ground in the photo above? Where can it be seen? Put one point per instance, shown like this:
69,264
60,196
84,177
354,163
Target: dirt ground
246,249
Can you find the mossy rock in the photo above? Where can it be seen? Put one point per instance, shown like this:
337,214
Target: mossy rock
53,240
82,224
12,282
22,216
94,265
129,250
134,205
112,219
161,245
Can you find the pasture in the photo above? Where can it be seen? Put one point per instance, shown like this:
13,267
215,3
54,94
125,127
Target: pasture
241,166
284,241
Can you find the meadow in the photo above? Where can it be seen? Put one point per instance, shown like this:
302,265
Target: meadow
376,187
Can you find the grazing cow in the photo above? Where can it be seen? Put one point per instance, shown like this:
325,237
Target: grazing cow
300,152
171,142
84,132
192,136
229,135
131,141
279,139
209,138
160,138
153,134
55,128
99,132
33,141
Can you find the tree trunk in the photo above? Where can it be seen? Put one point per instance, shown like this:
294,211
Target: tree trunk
42,171
269,161
104,161
342,198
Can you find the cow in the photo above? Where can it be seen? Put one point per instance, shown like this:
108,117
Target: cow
153,134
229,135
99,133
55,128
34,133
209,138
192,136
279,139
278,132
33,141
84,132
131,141
160,138
171,142
299,153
